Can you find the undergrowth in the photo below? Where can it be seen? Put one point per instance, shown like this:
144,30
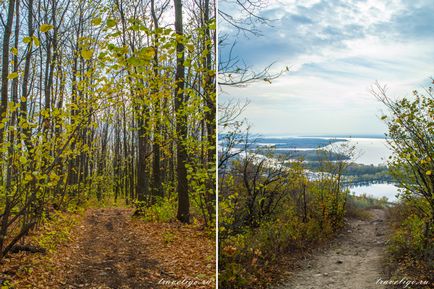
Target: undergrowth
56,230
164,210
358,206
411,253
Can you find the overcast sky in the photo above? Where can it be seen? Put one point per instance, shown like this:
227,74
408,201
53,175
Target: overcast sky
335,50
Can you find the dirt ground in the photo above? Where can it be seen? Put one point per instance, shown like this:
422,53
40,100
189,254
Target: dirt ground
353,260
110,249
110,255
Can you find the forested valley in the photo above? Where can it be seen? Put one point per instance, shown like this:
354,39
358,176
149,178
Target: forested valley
281,226
107,130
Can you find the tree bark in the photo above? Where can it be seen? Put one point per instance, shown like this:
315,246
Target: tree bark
181,122
5,63
157,189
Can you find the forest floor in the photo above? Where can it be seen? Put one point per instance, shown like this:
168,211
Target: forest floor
353,260
110,249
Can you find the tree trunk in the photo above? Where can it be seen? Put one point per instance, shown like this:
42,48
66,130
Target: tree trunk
156,167
5,63
181,122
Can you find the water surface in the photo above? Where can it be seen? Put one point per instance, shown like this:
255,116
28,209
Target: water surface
377,191
373,151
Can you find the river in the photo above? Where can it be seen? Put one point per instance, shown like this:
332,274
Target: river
373,151
369,151
377,190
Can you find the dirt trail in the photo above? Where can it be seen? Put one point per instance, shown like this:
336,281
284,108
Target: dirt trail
109,254
107,248
353,260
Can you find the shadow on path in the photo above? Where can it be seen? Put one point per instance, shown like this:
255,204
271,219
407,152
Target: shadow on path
110,255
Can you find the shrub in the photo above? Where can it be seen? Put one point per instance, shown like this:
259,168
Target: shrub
408,240
164,210
57,230
245,257
410,251
356,206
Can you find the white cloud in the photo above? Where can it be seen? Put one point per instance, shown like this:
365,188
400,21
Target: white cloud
336,50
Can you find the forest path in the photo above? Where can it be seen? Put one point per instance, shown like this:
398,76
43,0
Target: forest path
108,248
109,253
352,261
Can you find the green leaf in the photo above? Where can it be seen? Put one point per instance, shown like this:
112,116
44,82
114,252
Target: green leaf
212,25
23,160
54,176
147,53
111,23
190,47
14,50
135,27
87,54
28,178
27,39
96,21
428,173
45,27
13,75
36,40
133,61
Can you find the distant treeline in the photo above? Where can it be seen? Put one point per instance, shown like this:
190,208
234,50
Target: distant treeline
289,143
360,173
312,155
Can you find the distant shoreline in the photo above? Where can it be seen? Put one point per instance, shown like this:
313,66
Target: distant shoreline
376,136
